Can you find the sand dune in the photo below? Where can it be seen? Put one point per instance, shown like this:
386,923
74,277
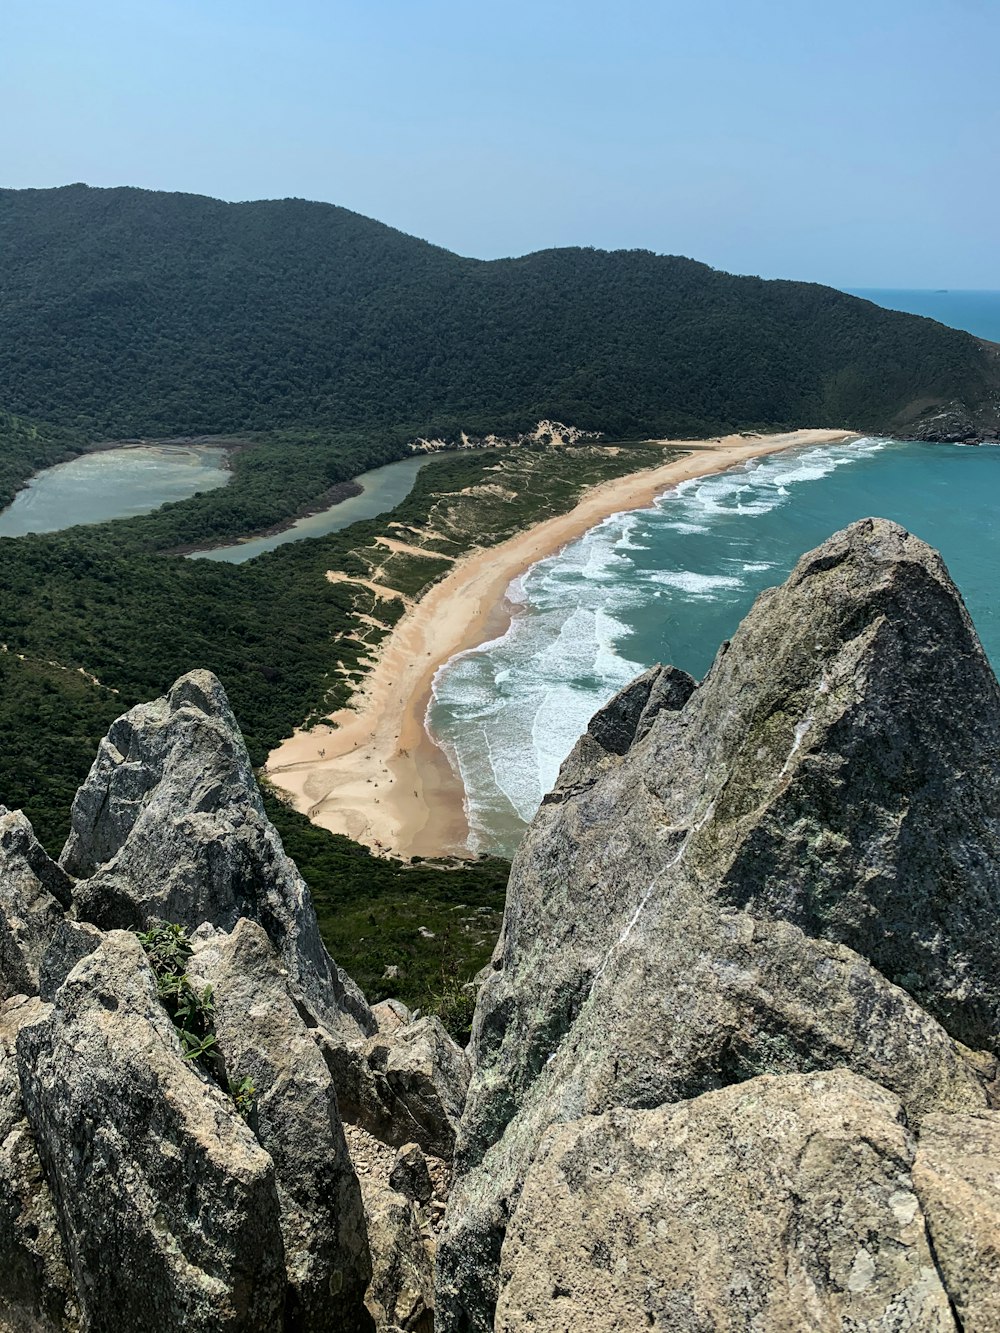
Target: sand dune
375,774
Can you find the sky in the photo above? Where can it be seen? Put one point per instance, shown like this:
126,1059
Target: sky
854,143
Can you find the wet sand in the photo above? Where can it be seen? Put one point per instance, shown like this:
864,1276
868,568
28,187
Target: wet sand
375,774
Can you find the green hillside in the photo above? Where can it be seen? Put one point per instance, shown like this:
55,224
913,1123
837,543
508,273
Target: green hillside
324,342
127,312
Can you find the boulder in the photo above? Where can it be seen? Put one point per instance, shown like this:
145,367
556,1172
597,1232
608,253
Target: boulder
402,1233
71,941
401,1297
409,1175
34,893
957,1176
170,826
391,1015
167,1203
798,868
407,1086
782,1203
292,1108
36,1287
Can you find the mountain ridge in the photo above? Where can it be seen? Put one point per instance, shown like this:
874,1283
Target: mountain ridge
127,311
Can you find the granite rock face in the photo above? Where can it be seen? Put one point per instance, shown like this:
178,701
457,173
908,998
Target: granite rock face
140,1189
405,1085
170,825
34,894
734,1064
957,1176
262,1038
36,1288
780,1203
794,867
167,1203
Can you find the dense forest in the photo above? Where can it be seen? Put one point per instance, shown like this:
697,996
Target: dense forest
320,343
128,312
96,618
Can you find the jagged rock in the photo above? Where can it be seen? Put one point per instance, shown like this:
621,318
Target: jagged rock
36,1289
170,825
391,1015
783,1203
167,1204
263,1038
613,730
401,1297
702,909
407,1086
631,713
409,1175
705,999
957,1176
34,892
71,941
401,1294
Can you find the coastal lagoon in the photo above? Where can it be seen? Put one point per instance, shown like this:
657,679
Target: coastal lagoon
113,483
671,583
381,490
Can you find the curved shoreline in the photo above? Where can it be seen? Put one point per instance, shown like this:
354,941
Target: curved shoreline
375,774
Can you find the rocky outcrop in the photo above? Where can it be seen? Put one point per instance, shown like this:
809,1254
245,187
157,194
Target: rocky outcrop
795,867
407,1084
36,1288
143,1185
170,825
957,1176
263,1040
733,1066
166,1201
34,893
780,1203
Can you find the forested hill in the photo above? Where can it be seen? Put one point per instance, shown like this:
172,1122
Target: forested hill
131,312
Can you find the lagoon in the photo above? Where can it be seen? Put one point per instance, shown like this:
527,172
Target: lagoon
113,483
381,490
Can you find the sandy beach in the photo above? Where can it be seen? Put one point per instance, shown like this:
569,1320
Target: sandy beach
375,774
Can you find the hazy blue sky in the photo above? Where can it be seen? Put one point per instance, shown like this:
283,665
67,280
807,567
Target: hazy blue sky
853,142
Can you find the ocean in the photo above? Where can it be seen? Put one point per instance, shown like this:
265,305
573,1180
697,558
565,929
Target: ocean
976,312
670,583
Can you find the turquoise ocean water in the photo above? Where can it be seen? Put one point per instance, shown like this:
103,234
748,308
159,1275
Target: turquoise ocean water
976,312
670,583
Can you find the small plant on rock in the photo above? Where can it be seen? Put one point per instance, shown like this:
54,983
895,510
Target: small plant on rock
244,1094
168,949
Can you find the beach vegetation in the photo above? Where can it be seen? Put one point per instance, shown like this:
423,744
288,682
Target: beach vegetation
318,344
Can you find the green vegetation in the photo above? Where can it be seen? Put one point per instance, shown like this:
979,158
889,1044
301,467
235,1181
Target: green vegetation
192,1011
416,932
26,447
129,312
320,343
244,1094
168,948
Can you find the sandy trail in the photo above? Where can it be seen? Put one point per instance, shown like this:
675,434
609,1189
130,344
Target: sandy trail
375,774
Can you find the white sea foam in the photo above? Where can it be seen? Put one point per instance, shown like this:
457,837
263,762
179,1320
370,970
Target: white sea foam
693,584
509,711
